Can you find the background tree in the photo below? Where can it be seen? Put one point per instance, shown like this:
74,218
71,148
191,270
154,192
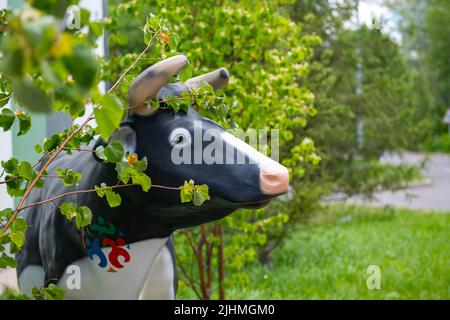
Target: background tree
265,53
356,75
424,26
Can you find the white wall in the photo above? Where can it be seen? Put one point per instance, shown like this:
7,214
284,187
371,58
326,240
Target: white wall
5,152
97,13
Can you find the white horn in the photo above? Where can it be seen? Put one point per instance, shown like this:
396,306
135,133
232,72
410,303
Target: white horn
218,79
151,80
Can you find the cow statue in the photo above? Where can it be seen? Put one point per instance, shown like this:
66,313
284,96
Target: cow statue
128,253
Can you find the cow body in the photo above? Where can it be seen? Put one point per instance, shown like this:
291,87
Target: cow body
149,275
127,251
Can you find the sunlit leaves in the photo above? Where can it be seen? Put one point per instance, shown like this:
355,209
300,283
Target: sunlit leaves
50,292
113,198
10,165
17,175
68,176
19,225
68,209
82,215
187,191
113,153
197,194
201,194
7,261
26,171
24,123
142,179
6,119
17,238
108,115
84,73
49,69
52,143
29,95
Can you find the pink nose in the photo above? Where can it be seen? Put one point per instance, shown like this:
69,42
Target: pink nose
274,179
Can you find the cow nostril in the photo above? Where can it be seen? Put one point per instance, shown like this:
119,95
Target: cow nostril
274,179
224,73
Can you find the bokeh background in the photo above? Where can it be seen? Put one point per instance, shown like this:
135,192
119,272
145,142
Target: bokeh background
360,91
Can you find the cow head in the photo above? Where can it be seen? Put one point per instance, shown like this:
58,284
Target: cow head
165,137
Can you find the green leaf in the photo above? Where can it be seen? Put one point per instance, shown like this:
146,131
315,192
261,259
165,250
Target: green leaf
17,238
186,73
141,165
30,96
100,153
113,198
108,115
53,292
6,119
82,65
13,62
24,123
52,143
124,171
68,209
19,225
38,148
11,166
101,193
69,176
114,152
142,179
7,261
201,194
187,191
56,8
13,186
83,217
3,99
26,170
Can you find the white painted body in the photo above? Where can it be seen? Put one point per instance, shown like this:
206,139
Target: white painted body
148,275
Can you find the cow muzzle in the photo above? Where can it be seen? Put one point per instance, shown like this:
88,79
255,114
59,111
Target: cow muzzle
274,179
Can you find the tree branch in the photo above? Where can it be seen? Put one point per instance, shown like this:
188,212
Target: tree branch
191,283
135,62
31,185
92,190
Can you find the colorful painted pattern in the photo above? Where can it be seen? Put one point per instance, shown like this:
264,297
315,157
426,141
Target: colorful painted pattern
100,235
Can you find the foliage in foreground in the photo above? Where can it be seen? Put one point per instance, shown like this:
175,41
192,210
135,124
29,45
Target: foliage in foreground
327,258
45,68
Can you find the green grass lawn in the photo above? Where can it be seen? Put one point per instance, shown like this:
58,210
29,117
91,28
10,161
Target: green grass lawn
328,258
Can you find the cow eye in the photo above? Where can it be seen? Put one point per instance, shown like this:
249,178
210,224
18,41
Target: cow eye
180,137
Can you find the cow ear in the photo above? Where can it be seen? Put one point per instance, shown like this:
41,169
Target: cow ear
127,137
124,135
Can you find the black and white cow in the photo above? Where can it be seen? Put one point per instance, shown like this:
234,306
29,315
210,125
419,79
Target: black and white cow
55,250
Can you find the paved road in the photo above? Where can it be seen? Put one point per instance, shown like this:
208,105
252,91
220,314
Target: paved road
432,195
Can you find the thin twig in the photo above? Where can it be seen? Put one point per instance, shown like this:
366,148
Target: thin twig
5,98
191,283
134,63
